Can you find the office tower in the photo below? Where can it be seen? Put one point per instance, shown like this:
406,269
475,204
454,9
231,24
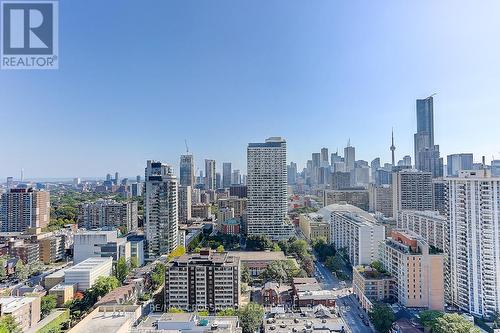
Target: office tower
185,199
383,177
138,178
108,177
117,176
341,180
218,180
335,157
292,173
210,175
430,225
419,271
76,182
474,226
226,174
393,149
205,280
23,208
316,163
426,152
459,162
411,189
237,204
10,183
324,157
160,209
349,157
374,165
355,230
236,177
136,189
339,167
407,160
244,179
360,176
186,170
267,189
108,213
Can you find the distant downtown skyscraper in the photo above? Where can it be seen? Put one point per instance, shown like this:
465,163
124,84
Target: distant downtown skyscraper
349,157
226,174
186,170
426,152
267,189
459,162
160,209
210,180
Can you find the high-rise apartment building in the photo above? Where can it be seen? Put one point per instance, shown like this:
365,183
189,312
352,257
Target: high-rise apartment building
108,213
210,180
160,209
474,231
203,281
419,272
186,169
292,173
185,203
267,189
381,199
355,230
411,190
23,208
430,225
236,177
226,174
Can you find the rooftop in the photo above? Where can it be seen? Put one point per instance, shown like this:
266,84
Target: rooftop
259,255
12,303
90,264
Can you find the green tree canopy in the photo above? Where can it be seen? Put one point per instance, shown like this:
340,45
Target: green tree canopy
121,269
428,318
47,304
382,317
22,272
9,324
453,323
251,317
104,284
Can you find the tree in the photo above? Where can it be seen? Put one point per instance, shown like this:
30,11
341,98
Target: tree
103,285
228,312
21,271
9,324
121,269
251,317
203,313
334,263
3,271
454,323
259,243
298,247
428,318
220,248
245,274
308,265
179,251
158,275
276,248
47,304
382,317
282,271
134,263
175,310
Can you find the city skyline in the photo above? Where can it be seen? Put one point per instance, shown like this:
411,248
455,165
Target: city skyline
267,79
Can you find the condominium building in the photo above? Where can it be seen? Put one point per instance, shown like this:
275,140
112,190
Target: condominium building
358,197
372,286
411,190
86,273
458,162
267,189
340,180
23,208
239,205
419,272
205,280
210,176
225,214
430,225
381,199
52,248
313,226
24,310
355,230
226,174
186,168
474,222
160,209
108,213
185,203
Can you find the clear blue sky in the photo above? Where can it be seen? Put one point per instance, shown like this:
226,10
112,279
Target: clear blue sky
136,78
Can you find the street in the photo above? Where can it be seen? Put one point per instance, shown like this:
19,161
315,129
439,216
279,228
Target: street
352,314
